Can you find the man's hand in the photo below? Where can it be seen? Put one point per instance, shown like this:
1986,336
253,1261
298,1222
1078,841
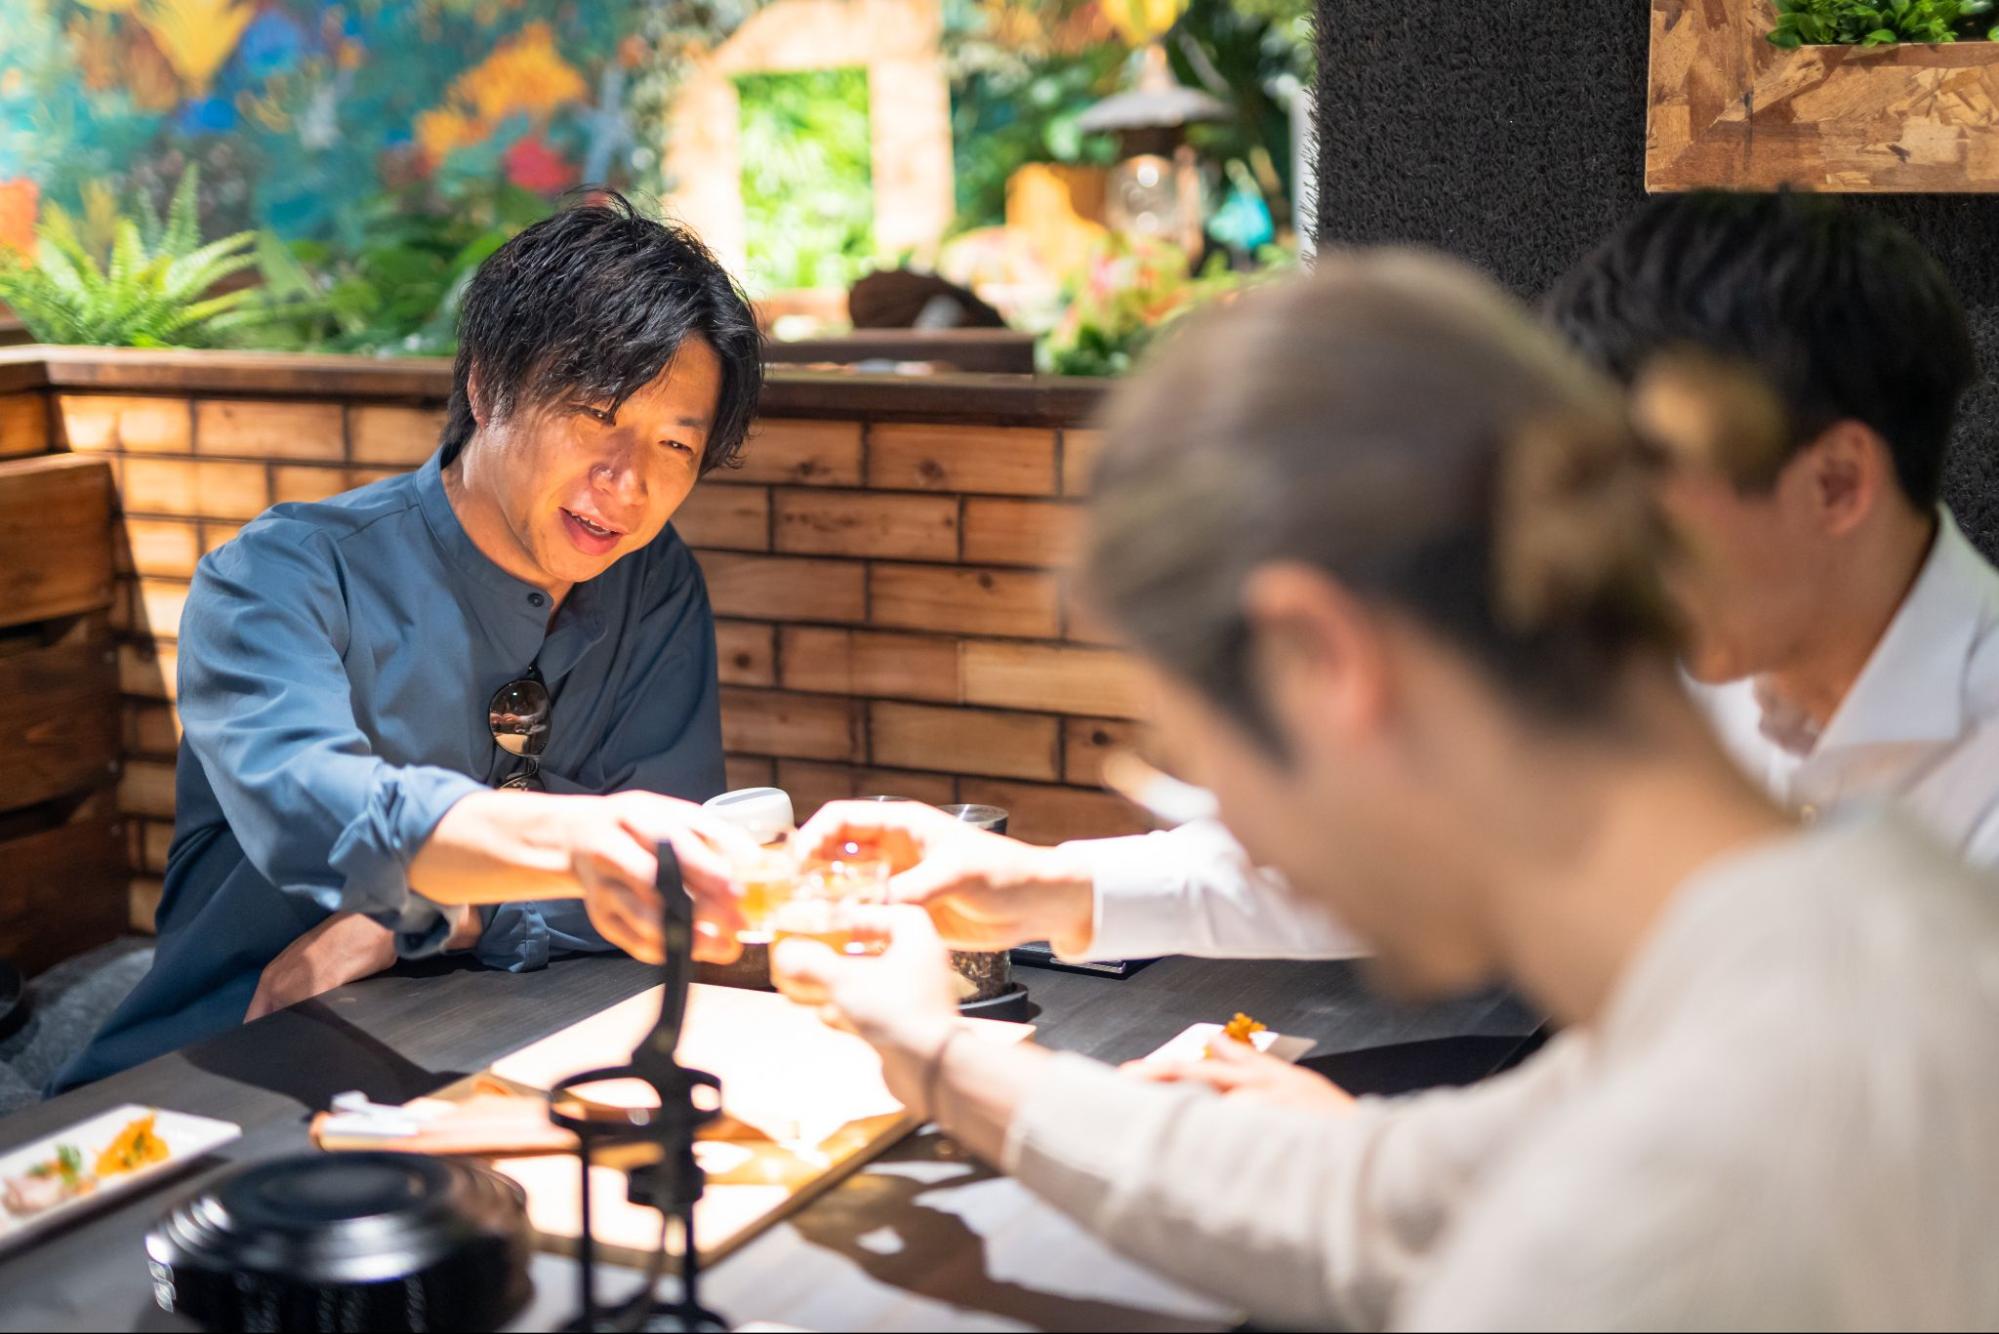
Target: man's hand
902,1002
344,948
496,847
1238,1070
983,891
612,843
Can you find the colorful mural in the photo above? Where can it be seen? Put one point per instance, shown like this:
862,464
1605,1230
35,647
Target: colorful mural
299,113
380,149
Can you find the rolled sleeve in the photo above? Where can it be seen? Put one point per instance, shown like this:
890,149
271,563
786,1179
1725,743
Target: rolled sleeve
373,853
266,710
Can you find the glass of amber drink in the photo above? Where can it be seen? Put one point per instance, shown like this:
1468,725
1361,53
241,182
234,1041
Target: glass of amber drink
768,880
831,903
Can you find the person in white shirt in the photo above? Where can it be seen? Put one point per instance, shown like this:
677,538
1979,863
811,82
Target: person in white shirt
1390,554
1846,630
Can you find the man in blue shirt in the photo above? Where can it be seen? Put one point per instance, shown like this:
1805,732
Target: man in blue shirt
402,707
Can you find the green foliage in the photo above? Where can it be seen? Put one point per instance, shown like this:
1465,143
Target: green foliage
151,290
67,1164
1013,103
1007,116
807,178
1880,22
1131,294
400,290
1256,58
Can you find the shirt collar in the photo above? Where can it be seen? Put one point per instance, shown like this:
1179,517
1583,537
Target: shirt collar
462,555
520,607
1912,688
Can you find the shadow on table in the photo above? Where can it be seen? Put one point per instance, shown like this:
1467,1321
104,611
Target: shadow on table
1408,1067
152,1320
308,1053
939,1257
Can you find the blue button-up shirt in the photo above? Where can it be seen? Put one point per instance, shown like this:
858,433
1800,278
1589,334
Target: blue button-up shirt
336,661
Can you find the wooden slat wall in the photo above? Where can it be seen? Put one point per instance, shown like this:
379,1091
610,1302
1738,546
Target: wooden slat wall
62,850
892,608
916,635
190,471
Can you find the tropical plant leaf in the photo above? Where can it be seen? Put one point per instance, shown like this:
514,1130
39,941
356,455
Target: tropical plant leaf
154,288
183,230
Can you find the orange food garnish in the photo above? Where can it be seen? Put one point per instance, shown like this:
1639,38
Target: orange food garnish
1239,1029
137,1145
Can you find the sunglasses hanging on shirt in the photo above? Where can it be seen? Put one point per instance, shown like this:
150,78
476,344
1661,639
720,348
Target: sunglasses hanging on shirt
519,718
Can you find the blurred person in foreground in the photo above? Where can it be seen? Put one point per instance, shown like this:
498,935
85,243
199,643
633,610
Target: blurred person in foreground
1844,632
1389,551
348,669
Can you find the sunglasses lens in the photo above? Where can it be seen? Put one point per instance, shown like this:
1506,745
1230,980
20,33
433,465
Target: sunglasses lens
518,716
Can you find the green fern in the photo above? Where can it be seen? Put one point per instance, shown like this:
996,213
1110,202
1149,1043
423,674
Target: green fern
152,290
1880,22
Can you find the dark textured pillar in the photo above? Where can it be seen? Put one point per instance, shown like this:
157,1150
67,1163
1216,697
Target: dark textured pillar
1512,133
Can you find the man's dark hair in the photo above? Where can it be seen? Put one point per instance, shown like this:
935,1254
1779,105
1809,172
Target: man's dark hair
592,303
1841,311
1398,422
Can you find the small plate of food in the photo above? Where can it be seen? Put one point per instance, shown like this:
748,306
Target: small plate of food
1193,1043
103,1158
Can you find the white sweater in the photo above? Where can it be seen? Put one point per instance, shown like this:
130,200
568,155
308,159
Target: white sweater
1784,1119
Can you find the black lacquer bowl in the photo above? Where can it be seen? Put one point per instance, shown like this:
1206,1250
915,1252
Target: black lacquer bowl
347,1241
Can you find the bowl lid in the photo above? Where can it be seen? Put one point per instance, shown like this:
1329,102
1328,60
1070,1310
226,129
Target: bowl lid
339,1217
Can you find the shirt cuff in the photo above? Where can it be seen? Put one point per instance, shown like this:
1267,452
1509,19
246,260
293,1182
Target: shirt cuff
421,929
372,855
1142,883
1194,890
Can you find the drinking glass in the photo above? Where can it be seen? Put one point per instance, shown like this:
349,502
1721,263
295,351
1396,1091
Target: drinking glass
769,879
830,902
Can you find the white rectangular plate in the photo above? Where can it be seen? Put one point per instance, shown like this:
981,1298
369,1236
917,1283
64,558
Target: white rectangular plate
1192,1045
187,1138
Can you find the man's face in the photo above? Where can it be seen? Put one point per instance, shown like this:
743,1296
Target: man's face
1354,827
579,486
1749,574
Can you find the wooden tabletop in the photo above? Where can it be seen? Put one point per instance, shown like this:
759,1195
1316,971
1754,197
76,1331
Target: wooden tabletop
921,1239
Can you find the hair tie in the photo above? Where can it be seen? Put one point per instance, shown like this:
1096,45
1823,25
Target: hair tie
1574,523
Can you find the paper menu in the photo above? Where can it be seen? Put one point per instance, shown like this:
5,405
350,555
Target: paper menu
811,1098
783,1071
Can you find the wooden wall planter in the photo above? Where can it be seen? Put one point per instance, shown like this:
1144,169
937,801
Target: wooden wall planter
1727,109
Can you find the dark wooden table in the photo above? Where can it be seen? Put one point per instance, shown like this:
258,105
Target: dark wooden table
923,1238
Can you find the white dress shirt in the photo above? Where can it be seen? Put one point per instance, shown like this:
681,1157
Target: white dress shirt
1919,728
1781,1120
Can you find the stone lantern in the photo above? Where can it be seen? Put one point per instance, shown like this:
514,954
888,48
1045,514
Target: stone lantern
1155,188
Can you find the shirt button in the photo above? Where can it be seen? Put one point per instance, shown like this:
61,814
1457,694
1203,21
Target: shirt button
536,600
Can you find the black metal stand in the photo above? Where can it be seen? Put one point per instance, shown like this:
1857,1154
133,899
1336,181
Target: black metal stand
674,1181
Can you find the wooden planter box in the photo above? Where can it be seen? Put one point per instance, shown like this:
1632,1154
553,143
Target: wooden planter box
1729,110
62,850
